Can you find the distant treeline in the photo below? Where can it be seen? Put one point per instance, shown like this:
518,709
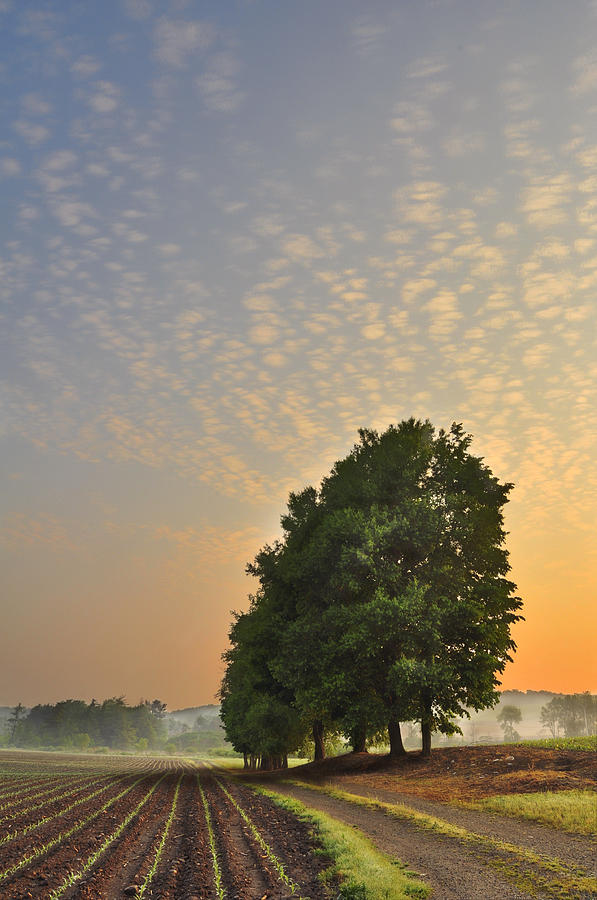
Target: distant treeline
79,725
572,715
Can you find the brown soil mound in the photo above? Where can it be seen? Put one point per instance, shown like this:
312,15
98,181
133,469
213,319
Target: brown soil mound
452,773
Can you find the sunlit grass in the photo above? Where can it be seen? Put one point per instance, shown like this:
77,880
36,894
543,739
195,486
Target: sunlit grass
234,763
562,743
574,811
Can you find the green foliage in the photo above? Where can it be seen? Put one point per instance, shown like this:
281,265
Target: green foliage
386,600
256,709
74,724
200,743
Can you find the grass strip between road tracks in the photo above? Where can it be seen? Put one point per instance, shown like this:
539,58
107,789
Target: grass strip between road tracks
21,832
158,854
365,872
73,877
63,835
531,871
282,874
220,892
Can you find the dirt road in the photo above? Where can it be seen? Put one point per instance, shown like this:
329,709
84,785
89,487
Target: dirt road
461,869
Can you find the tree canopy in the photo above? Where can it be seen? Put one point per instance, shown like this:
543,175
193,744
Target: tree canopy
76,724
385,600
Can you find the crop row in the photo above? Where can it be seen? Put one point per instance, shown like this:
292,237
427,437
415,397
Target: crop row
282,874
81,785
220,893
63,811
196,831
19,797
64,835
73,877
23,786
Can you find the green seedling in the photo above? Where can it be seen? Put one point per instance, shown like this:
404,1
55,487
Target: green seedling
220,892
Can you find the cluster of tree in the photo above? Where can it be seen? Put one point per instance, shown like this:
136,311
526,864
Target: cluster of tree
202,734
386,601
200,743
79,725
573,714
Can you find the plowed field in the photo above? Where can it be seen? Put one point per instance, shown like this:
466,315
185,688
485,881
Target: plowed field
76,826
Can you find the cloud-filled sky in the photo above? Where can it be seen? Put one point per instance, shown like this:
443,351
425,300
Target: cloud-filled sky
232,234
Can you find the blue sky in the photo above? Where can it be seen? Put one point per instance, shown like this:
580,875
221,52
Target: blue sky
233,233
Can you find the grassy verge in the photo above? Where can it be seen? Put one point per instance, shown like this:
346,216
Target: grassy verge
574,811
235,763
531,871
365,872
561,743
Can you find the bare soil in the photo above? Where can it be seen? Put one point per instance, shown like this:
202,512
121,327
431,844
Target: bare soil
463,773
185,869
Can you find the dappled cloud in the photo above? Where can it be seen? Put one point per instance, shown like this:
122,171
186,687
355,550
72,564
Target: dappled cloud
214,271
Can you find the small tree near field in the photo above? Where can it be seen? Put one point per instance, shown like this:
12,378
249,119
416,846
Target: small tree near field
508,716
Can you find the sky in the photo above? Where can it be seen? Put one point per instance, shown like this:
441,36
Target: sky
231,234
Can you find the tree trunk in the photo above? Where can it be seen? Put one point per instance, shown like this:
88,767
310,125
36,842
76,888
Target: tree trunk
245,760
285,761
318,740
358,739
396,745
426,723
426,738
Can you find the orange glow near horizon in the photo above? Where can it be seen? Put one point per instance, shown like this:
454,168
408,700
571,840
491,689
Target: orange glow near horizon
283,223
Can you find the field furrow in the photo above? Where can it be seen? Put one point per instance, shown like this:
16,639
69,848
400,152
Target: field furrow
168,828
24,828
43,856
126,857
14,816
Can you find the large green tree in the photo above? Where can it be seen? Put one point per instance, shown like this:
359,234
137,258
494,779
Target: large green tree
434,607
387,598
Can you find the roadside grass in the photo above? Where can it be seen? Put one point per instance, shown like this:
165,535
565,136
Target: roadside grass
562,743
235,763
573,811
365,872
532,871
